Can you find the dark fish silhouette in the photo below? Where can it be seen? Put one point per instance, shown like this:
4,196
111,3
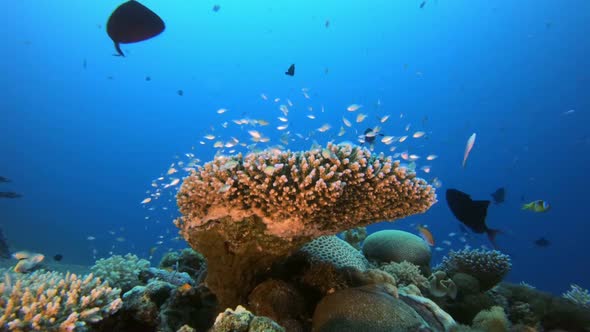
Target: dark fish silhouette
216,8
9,194
4,251
370,138
499,195
422,4
542,242
471,213
291,70
58,257
5,180
133,22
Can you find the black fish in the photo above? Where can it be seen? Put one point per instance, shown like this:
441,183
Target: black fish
542,242
291,70
133,22
3,179
9,194
471,213
58,257
4,251
499,195
370,139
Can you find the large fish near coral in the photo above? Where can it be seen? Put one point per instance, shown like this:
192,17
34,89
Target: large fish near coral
471,213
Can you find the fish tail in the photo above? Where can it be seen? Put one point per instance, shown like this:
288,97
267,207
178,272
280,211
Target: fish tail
492,236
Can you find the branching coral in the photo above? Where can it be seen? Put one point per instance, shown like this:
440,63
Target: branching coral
248,211
488,267
50,301
578,295
120,271
406,273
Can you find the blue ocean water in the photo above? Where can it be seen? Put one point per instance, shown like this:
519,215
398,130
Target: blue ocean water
83,134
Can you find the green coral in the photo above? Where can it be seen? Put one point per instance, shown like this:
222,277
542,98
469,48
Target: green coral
492,320
242,320
397,246
120,271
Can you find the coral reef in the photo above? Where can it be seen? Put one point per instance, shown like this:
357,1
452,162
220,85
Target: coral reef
120,271
51,301
355,236
441,285
406,273
492,320
248,212
488,267
578,295
541,309
241,320
375,308
187,260
335,251
397,246
279,301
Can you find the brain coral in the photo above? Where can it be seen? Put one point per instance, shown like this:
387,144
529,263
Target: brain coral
331,249
396,246
249,211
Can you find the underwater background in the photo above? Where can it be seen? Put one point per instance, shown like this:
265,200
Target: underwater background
84,133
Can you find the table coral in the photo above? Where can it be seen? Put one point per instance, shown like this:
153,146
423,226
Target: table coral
243,213
51,301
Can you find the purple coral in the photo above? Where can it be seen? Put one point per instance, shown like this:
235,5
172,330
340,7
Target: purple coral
489,267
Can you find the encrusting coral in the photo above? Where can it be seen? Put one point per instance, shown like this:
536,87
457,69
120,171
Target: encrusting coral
244,213
406,273
51,301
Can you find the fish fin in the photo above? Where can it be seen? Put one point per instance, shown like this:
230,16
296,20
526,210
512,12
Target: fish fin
492,236
526,206
118,48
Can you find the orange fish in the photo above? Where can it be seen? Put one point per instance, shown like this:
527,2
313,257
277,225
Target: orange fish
426,235
468,148
185,288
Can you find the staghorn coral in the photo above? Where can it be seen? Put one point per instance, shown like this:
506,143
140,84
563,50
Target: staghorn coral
578,295
50,301
249,211
120,271
488,267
